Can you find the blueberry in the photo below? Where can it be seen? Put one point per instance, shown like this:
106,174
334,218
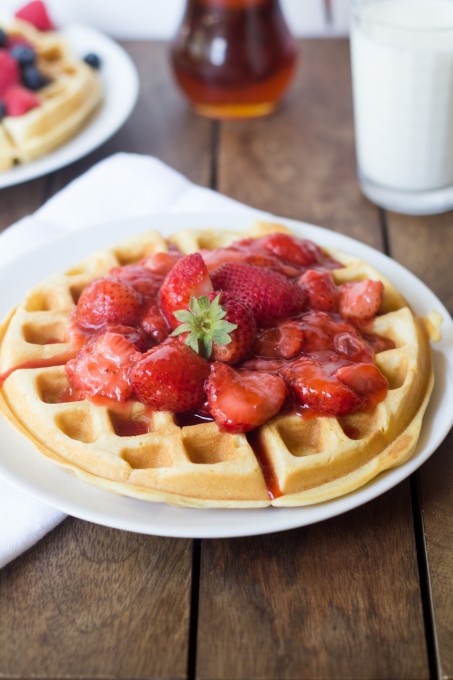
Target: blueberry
24,54
34,79
3,38
92,60
2,110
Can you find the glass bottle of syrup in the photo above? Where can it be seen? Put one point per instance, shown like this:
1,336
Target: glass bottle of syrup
233,58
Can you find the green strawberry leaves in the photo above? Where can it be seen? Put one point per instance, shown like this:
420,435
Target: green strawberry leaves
205,323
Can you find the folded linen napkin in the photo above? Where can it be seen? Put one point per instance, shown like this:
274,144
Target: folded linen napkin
122,186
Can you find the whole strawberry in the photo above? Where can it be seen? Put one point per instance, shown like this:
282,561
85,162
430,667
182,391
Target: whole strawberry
36,13
108,300
218,327
170,377
188,278
269,294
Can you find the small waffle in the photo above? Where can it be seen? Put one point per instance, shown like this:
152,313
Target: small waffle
155,456
66,103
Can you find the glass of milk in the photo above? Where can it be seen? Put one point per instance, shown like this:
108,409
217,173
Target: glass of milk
402,72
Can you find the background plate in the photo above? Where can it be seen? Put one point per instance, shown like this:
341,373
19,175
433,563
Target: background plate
24,467
120,82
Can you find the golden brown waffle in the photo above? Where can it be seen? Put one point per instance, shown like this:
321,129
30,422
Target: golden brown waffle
134,452
66,103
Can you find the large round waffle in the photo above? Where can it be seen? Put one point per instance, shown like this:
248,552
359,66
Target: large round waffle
160,458
66,103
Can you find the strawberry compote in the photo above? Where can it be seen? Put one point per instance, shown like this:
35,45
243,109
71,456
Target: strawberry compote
236,335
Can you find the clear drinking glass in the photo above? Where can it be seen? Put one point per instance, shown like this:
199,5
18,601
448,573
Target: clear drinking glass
402,72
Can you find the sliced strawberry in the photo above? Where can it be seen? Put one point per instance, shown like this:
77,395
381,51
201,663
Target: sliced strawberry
246,253
136,336
18,100
36,13
264,365
351,346
365,379
378,343
361,299
102,367
285,341
315,389
108,300
297,251
320,328
161,263
320,289
170,377
272,262
269,294
242,400
188,278
218,256
140,278
154,324
9,72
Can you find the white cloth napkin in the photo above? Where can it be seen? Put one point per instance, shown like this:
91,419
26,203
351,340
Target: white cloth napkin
122,186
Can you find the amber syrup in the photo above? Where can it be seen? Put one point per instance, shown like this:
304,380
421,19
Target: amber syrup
233,58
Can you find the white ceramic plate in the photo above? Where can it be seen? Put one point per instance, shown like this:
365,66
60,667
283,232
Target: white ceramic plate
120,82
24,467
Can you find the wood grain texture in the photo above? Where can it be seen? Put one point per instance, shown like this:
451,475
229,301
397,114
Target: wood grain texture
436,479
336,600
425,246
21,200
91,602
300,162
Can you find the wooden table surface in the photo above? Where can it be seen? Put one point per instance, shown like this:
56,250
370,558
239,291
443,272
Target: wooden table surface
368,594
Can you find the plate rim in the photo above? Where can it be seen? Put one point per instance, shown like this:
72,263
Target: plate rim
72,151
204,523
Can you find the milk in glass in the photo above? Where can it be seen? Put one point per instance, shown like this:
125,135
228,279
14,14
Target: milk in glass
402,66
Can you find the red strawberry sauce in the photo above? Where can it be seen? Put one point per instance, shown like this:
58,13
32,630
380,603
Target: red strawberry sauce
311,334
269,475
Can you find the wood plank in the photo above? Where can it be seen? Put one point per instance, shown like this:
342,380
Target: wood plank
161,124
340,599
425,246
94,602
300,162
436,480
21,200
335,600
